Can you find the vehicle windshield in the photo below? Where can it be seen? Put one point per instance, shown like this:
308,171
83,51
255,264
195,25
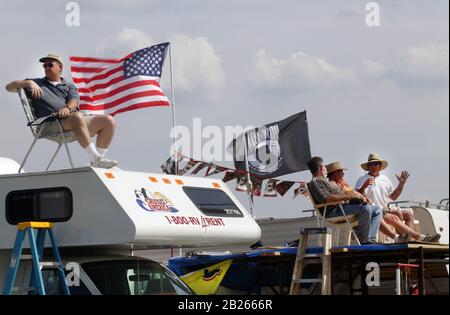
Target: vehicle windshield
134,277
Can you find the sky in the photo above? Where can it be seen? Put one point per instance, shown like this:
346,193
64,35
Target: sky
366,89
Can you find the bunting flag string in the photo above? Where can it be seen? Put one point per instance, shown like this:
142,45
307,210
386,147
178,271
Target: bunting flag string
272,186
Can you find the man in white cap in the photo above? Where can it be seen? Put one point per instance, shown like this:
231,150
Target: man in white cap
379,189
53,94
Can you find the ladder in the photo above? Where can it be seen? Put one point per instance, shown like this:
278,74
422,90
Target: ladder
302,259
37,249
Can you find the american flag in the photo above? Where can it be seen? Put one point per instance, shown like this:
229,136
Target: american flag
112,86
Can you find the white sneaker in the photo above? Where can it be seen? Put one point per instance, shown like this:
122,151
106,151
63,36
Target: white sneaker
103,163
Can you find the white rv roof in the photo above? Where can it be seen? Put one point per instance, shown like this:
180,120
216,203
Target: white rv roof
118,207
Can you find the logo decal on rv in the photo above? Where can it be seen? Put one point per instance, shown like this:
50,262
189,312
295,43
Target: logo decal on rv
156,201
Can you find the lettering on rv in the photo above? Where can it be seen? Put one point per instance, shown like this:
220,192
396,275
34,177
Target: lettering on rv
202,221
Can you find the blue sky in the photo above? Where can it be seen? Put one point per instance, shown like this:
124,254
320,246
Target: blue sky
366,89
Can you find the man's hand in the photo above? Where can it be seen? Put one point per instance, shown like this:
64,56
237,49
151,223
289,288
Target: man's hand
368,182
355,195
359,196
403,177
36,91
63,112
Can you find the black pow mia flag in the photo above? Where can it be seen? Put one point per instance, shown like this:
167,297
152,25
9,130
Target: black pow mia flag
275,149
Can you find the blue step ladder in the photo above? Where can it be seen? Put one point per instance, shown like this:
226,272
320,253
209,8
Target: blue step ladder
37,249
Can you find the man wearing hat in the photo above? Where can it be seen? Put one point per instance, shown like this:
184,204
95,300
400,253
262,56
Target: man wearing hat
322,191
379,189
335,174
53,94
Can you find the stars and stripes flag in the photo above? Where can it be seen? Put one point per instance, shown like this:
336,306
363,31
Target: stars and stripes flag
112,86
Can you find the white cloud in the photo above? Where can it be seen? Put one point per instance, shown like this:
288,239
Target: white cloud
124,42
374,68
429,62
299,71
196,65
425,65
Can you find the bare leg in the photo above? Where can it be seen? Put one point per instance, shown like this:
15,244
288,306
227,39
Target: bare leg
404,215
400,227
384,228
76,123
408,216
103,126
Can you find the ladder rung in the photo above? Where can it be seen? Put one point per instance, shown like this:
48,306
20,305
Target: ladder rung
26,257
318,280
305,259
313,255
23,289
49,264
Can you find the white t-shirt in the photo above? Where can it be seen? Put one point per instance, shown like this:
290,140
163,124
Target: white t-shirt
55,83
378,192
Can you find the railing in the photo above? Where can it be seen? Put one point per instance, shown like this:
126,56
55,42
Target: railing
443,204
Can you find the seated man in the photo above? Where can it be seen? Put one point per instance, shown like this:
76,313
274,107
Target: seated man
53,94
335,173
380,190
322,191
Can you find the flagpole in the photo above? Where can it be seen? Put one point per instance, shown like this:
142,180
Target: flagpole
249,181
173,110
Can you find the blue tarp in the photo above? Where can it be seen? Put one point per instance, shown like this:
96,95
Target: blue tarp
261,267
250,270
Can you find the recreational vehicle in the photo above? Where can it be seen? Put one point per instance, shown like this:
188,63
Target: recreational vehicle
111,213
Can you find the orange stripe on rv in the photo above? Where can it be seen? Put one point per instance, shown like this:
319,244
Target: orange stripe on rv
109,175
179,181
216,185
153,179
165,180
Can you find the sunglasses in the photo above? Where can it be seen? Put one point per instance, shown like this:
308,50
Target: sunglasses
373,163
48,65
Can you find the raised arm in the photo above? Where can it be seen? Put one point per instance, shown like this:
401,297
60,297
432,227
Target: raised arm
36,91
401,183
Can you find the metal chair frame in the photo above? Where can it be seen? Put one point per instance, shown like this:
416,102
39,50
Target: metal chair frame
349,220
37,125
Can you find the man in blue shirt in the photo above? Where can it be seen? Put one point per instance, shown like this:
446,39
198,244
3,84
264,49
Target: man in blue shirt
53,94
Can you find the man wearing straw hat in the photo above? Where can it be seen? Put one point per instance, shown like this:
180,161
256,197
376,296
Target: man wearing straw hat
335,173
379,189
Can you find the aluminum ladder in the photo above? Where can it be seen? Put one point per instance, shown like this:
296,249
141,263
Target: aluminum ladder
37,249
302,259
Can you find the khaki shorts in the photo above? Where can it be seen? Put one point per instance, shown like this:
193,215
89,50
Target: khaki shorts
52,130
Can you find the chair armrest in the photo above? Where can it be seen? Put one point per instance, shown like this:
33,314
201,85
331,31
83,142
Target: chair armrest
334,203
42,119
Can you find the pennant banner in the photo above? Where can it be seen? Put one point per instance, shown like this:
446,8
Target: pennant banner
270,190
200,166
283,187
259,186
230,175
256,186
187,167
242,183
